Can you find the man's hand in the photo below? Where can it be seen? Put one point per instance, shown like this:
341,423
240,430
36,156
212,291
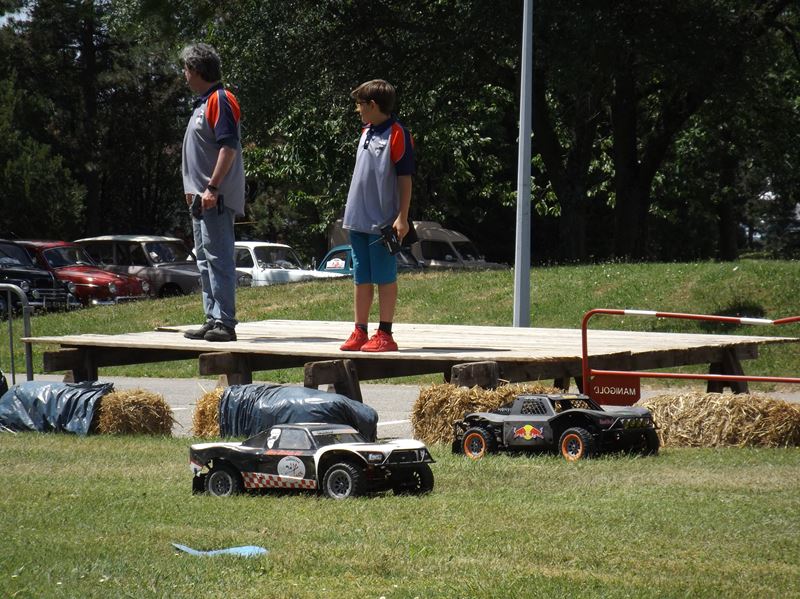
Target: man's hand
209,199
189,198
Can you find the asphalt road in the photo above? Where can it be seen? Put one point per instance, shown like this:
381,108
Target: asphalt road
392,402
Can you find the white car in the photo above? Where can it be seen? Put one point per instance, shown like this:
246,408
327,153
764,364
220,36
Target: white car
274,263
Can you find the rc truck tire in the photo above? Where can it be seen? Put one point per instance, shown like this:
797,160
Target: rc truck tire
575,444
417,481
477,442
343,480
223,481
651,443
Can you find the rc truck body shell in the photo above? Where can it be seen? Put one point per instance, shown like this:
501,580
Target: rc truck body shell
301,456
541,421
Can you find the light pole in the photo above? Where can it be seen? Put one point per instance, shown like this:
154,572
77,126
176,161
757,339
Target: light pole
522,253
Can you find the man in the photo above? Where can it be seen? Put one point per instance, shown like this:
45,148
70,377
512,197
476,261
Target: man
213,183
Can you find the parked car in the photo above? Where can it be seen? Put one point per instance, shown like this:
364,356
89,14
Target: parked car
446,248
41,288
274,263
570,423
332,458
340,260
437,247
92,285
166,262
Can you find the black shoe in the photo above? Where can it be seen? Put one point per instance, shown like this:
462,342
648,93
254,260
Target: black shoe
201,332
220,333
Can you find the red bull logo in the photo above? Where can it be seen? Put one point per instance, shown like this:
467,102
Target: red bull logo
528,432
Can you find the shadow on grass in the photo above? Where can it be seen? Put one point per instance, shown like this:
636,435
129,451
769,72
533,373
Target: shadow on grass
743,309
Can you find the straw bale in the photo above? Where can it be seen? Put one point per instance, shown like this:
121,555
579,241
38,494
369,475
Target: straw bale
133,412
205,420
438,406
696,419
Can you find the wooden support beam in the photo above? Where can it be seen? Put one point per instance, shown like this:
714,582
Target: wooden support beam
729,364
482,374
235,367
63,359
342,374
369,369
72,357
561,383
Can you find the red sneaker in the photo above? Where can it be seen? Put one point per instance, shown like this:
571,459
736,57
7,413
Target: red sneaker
357,338
380,341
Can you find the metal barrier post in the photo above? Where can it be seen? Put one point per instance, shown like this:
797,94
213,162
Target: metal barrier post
588,372
26,329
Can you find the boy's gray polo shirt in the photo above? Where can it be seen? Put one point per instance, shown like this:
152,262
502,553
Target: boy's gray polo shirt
384,152
214,123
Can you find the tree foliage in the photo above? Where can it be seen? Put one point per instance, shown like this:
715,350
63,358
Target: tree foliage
39,197
661,129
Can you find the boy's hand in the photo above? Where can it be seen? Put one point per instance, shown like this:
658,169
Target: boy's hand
401,227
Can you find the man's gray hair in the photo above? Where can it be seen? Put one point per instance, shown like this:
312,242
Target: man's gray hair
203,60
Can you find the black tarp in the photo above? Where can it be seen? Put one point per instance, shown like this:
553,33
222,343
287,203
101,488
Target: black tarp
51,407
245,410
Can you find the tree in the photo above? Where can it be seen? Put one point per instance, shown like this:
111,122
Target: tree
109,107
35,183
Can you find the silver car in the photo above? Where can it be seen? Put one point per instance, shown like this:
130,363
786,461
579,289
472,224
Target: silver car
165,262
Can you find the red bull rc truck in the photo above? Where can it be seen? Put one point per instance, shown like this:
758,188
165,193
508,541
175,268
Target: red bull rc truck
331,458
572,424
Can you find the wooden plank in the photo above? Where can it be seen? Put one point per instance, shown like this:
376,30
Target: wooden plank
435,342
70,357
224,363
522,354
482,374
62,359
729,364
340,373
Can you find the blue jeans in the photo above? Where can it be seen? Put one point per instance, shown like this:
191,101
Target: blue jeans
213,245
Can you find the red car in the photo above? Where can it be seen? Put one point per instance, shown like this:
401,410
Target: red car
93,286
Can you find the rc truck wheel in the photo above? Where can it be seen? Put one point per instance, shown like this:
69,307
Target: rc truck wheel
343,480
651,443
575,444
223,481
417,481
477,442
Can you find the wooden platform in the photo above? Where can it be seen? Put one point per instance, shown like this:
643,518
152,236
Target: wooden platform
521,354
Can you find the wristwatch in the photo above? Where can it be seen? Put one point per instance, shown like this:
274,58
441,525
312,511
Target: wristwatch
213,188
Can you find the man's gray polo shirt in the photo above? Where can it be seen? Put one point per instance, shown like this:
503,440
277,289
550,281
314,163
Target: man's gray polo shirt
214,123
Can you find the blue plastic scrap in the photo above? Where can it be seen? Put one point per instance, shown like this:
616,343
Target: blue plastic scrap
51,407
244,551
245,410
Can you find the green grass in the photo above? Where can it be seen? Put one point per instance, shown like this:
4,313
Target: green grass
96,516
559,298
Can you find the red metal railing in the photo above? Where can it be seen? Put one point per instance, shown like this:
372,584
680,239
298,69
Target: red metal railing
588,372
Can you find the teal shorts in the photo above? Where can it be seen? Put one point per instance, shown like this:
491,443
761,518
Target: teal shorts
372,262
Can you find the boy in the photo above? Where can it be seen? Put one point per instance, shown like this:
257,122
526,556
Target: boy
380,195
